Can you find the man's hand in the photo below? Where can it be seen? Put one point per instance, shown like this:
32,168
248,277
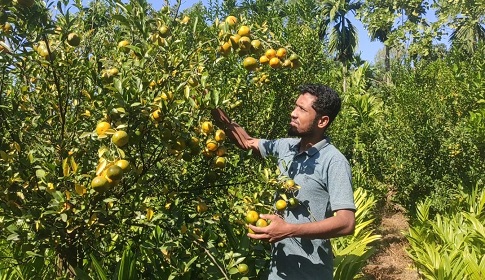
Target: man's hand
220,118
277,229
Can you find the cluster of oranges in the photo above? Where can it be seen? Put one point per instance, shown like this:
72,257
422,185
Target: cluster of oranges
252,217
287,191
109,174
214,147
243,43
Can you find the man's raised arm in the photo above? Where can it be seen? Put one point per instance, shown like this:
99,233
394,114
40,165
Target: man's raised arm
234,131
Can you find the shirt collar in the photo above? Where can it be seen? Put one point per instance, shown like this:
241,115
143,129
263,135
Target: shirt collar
315,148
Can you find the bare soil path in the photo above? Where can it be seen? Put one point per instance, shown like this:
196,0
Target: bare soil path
391,262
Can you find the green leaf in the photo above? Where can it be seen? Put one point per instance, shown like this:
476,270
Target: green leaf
98,268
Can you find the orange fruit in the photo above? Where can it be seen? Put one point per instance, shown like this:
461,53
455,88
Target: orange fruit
252,217
231,20
220,162
120,138
157,115
201,207
255,45
221,151
73,39
250,63
234,40
287,63
100,184
220,135
164,31
263,59
243,268
294,57
281,53
270,53
124,164
225,49
275,62
114,172
280,205
102,127
244,31
261,223
207,127
289,184
211,145
244,43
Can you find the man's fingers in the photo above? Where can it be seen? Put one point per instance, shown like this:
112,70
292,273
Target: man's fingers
220,116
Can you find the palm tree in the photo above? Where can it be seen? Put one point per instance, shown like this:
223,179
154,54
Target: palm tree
466,20
342,37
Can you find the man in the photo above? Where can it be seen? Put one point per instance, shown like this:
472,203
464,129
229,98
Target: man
300,238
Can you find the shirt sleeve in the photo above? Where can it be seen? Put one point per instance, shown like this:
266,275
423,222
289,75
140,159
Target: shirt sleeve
340,185
267,147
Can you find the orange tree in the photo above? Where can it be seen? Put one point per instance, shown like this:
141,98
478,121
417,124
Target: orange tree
107,151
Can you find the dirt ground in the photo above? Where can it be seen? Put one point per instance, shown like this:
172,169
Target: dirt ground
391,262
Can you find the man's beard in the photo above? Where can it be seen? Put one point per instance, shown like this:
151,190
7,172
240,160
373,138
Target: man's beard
292,131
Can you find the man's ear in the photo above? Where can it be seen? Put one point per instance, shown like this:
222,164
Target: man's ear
323,122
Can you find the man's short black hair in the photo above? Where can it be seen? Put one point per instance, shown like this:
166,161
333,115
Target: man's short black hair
328,102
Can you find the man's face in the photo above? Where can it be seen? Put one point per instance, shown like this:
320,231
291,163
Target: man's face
304,117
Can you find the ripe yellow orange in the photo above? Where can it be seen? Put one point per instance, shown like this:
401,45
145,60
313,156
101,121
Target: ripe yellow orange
244,31
164,31
250,63
207,127
100,184
243,268
73,39
157,115
275,62
281,53
102,127
280,205
244,43
231,20
264,59
114,173
252,217
211,145
120,138
289,184
201,207
225,49
261,223
220,135
124,164
255,45
220,162
234,40
270,53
